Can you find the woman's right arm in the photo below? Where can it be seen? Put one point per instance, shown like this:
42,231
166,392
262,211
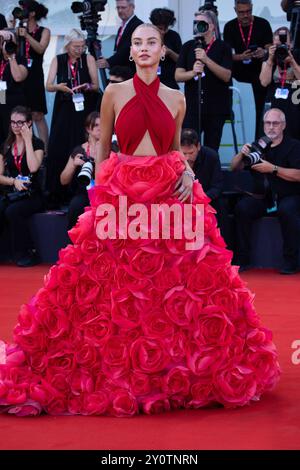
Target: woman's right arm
5,180
107,120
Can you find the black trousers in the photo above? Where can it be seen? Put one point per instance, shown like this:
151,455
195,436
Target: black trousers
15,215
76,208
249,209
222,215
211,126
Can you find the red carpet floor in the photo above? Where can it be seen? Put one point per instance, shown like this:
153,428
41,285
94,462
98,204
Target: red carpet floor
272,423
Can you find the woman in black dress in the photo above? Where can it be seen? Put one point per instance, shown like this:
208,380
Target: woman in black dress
36,42
163,19
20,160
13,72
74,77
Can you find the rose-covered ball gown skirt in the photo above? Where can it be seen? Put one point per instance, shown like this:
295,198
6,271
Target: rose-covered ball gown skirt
125,326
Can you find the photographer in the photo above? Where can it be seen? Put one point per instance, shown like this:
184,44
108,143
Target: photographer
13,72
20,159
276,190
249,36
213,63
278,74
163,19
79,156
76,88
37,39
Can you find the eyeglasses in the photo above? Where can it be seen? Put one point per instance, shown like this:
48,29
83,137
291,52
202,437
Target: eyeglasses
17,123
272,123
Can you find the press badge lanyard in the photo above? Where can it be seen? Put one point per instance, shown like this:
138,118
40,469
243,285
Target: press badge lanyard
74,73
246,43
282,92
27,47
282,75
209,45
18,159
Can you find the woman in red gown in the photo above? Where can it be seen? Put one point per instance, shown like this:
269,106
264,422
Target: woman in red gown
126,325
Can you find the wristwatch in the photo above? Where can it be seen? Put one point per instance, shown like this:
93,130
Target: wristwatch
275,170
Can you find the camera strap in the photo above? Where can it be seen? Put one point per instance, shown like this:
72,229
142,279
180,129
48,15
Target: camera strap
246,43
18,158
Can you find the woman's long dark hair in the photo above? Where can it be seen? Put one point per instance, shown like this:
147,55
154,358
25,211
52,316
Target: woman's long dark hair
26,112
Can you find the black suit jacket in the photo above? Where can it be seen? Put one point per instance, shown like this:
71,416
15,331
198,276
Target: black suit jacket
207,169
121,55
3,23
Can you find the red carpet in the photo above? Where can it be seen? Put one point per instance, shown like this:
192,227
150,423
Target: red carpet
272,423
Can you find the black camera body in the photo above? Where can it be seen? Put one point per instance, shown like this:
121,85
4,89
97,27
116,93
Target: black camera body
282,50
10,47
21,13
258,149
90,10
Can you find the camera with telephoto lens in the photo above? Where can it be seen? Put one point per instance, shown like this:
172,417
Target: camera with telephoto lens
282,50
199,29
209,5
21,13
257,150
90,10
87,170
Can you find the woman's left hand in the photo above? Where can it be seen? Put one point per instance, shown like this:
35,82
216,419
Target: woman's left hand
26,132
184,188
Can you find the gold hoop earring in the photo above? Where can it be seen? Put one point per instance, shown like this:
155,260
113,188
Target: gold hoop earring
163,58
130,58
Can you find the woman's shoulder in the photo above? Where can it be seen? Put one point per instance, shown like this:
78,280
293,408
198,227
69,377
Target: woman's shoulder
174,94
117,89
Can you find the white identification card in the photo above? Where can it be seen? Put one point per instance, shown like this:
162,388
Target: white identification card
282,93
3,85
159,70
78,100
29,63
247,61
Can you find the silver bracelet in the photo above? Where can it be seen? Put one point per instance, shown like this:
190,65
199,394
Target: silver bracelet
189,173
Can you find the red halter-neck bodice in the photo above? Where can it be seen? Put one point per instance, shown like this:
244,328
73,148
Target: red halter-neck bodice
145,111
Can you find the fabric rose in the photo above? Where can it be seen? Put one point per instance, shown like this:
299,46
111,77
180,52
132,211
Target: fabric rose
144,264
213,327
95,403
70,255
127,308
83,228
181,306
123,403
235,386
157,325
115,357
87,290
177,381
202,394
156,404
148,355
140,383
205,360
144,180
90,248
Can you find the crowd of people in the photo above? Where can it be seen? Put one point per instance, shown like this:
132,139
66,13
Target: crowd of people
248,51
